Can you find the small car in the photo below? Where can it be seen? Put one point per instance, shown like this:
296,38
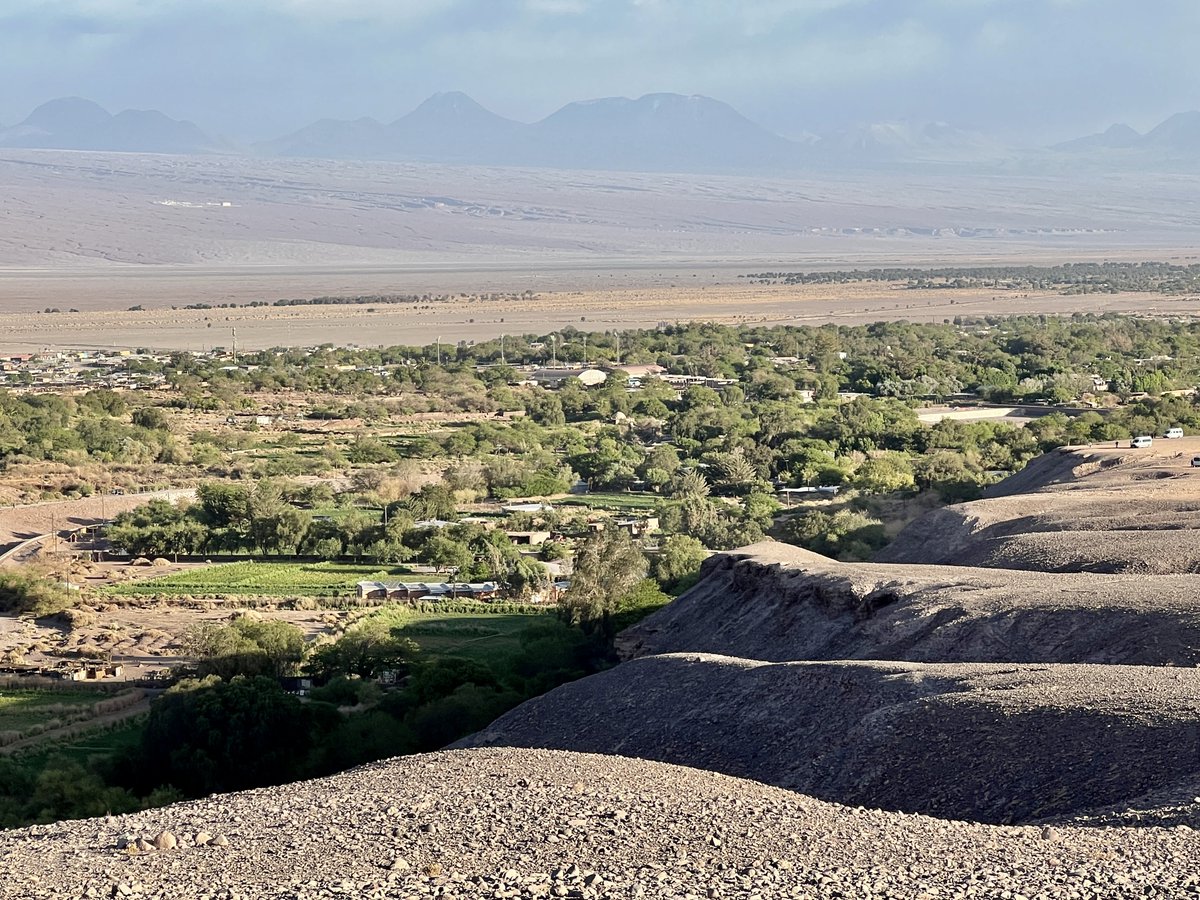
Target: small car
1196,462
1141,441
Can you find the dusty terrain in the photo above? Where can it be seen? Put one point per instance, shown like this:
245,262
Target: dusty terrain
536,824
103,232
466,319
114,211
146,636
22,522
984,742
775,602
1099,509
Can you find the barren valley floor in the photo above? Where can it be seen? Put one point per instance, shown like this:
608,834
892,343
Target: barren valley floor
713,296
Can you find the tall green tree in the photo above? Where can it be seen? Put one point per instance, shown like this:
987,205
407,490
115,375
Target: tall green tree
608,566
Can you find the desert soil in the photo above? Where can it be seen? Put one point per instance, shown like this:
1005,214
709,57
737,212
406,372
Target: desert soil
538,824
978,741
772,601
103,232
1095,509
471,320
22,522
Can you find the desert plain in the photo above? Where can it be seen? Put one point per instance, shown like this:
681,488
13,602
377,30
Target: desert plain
475,318
512,251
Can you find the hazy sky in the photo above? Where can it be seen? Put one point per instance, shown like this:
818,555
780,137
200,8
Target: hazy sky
1027,69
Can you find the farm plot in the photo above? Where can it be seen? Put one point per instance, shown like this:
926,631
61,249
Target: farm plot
24,708
265,579
480,637
615,501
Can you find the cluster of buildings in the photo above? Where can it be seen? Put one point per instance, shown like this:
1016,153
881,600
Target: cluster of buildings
65,370
592,377
411,591
63,671
428,590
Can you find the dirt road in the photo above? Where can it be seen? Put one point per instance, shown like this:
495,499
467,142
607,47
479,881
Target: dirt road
27,526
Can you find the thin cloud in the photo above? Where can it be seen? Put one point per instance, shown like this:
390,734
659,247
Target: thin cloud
1039,68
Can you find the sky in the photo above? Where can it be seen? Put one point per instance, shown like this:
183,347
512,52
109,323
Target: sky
1030,71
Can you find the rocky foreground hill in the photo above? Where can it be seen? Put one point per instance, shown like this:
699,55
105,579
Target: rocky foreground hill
539,824
974,704
772,601
1051,719
985,742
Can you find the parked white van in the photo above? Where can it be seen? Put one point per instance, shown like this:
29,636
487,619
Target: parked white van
1175,432
1142,440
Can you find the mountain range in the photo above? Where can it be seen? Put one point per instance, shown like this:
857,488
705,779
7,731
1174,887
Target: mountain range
656,132
73,123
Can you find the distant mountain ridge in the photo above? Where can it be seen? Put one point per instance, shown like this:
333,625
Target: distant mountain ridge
73,123
655,132
1177,136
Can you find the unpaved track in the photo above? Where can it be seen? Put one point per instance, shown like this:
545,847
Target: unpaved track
703,299
42,520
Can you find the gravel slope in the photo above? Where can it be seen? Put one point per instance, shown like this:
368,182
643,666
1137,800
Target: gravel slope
985,742
776,602
523,823
1135,511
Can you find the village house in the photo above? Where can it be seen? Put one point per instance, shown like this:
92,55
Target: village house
96,673
528,538
555,377
647,370
638,528
420,590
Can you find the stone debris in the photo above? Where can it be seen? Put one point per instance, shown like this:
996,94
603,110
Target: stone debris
987,742
651,830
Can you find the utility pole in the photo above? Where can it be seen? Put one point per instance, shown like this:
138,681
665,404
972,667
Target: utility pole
617,337
502,350
553,354
234,346
585,349
439,349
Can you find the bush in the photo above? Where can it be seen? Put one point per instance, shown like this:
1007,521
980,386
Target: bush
345,691
190,741
39,594
846,534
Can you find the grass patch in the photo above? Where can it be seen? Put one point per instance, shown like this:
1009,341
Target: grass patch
121,739
480,637
616,501
268,579
23,708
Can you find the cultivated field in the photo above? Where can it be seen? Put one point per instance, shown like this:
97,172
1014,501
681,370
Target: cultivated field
22,708
265,579
484,637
